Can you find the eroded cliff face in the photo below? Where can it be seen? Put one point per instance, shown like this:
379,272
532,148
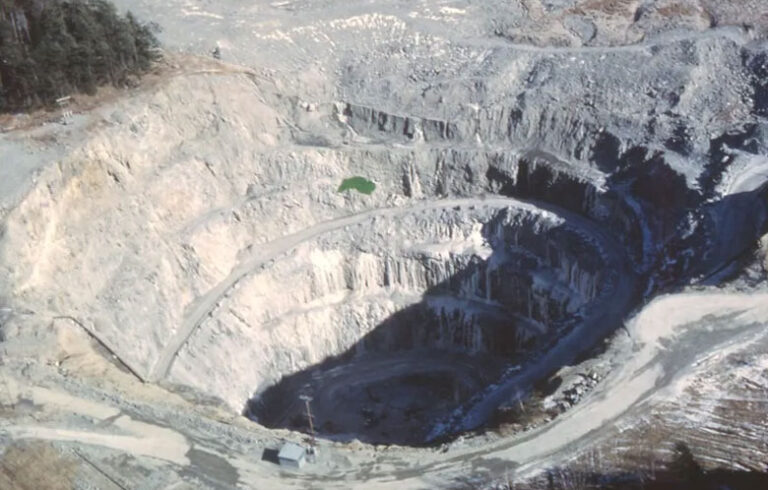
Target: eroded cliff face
103,231
483,278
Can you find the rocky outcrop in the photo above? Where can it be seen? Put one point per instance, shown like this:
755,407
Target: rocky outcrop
473,279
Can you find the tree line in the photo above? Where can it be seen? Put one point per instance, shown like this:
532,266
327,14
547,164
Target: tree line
53,48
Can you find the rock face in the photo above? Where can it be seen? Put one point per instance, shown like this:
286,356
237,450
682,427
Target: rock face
541,168
764,252
491,287
484,282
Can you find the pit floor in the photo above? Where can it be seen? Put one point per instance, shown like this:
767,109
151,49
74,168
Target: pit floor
392,398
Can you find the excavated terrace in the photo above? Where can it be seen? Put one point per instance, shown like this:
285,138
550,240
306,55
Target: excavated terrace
414,314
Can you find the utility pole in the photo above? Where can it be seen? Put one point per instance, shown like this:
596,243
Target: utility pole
312,451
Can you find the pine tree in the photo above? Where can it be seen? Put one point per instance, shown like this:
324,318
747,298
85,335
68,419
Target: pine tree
64,46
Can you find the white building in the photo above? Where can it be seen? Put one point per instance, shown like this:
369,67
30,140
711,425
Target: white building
292,455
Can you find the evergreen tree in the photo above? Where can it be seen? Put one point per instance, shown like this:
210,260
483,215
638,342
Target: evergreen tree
50,48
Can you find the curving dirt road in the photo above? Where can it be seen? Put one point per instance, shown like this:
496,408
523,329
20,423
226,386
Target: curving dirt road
669,336
203,306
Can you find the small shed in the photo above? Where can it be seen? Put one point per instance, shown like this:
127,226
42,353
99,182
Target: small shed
292,455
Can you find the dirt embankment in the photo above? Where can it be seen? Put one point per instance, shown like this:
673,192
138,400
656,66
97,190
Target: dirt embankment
171,65
36,465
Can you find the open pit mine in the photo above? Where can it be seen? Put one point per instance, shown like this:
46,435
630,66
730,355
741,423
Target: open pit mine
397,245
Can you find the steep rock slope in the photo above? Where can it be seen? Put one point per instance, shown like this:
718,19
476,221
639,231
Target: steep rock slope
142,228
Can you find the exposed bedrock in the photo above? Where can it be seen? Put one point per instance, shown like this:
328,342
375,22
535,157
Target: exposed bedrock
476,289
197,230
